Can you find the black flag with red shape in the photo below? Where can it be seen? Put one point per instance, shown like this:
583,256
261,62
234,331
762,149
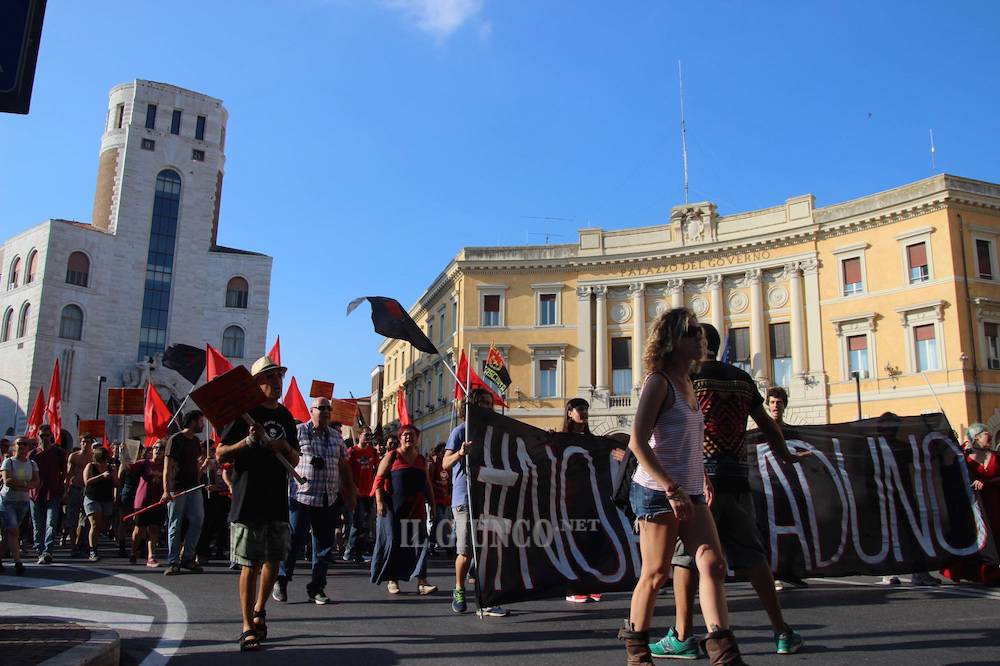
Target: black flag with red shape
392,321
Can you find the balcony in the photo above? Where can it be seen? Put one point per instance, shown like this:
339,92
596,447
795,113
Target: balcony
619,401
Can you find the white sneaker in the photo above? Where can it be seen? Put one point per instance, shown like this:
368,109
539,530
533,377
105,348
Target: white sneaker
890,580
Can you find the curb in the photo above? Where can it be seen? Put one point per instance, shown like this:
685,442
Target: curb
103,648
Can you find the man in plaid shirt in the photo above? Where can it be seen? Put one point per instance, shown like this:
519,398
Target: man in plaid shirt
323,462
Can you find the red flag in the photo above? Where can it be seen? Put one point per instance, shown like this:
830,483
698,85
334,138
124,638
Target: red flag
293,400
404,414
156,416
37,415
475,382
215,363
275,353
54,408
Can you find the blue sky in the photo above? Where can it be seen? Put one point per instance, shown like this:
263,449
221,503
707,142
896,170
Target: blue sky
369,140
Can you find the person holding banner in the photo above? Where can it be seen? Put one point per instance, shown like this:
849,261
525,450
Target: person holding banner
148,492
670,491
258,535
183,465
727,397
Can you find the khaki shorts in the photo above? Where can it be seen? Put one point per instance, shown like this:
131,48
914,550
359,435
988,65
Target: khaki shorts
463,530
736,523
254,545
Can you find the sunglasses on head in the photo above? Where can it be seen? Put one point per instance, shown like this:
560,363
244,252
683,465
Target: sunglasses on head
691,332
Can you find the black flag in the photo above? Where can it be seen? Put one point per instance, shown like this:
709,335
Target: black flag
187,361
392,321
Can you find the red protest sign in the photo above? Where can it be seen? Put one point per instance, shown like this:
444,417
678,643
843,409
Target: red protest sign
126,401
228,396
343,412
321,390
92,427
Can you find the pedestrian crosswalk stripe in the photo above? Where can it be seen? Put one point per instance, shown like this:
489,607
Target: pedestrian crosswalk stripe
121,591
118,621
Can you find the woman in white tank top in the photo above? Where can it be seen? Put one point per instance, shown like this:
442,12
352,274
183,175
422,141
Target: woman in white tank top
669,488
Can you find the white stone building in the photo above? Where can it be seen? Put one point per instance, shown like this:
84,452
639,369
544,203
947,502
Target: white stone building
106,297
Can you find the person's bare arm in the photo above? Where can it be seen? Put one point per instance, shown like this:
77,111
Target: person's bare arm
347,479
452,457
380,494
774,437
168,470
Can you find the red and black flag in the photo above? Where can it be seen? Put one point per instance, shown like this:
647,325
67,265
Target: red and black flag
187,361
496,370
392,321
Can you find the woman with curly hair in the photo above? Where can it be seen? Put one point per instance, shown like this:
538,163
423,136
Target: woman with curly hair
669,490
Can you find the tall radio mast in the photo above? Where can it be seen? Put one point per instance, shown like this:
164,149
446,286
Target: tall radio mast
684,149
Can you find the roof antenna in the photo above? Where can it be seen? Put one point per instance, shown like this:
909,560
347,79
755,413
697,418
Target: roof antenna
933,164
684,149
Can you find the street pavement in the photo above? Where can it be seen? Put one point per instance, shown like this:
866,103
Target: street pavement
193,619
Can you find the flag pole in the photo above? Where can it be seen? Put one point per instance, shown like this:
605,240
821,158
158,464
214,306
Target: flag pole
468,486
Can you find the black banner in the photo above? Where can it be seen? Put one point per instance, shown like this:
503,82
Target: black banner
545,520
876,497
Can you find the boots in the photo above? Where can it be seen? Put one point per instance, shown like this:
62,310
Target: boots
636,645
722,649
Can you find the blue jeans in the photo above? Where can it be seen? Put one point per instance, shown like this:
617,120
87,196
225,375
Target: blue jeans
360,532
45,514
192,507
321,519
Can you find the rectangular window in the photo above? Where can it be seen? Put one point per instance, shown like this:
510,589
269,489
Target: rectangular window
547,378
857,355
781,355
440,385
992,332
198,155
916,257
984,258
175,122
621,366
441,327
199,128
547,310
150,116
852,276
420,399
738,348
491,310
119,116
430,331
454,317
148,144
926,347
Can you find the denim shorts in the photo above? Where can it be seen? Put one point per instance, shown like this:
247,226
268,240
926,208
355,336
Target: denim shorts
648,503
12,512
92,506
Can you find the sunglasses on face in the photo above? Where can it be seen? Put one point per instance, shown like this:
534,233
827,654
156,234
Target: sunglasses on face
323,408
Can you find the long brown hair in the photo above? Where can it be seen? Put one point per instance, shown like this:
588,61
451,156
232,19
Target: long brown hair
568,422
660,344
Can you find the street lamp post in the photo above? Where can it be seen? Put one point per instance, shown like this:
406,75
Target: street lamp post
17,401
100,382
857,390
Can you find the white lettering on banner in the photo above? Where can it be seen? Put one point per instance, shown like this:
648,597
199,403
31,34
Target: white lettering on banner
920,506
558,559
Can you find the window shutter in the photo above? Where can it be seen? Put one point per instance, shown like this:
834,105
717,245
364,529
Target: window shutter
491,303
852,270
621,353
917,254
781,346
925,332
983,258
857,343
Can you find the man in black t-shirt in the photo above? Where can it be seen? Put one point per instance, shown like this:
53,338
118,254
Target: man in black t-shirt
185,457
259,534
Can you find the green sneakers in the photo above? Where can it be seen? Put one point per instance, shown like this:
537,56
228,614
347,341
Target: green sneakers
671,647
788,641
458,601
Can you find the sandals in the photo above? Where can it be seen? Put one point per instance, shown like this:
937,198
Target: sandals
249,641
260,628
393,587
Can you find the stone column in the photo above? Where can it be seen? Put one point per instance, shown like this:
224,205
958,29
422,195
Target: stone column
758,336
714,284
810,274
601,292
798,330
638,291
584,346
676,288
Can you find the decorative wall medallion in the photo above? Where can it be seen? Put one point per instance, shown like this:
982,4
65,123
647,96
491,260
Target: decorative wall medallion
621,312
738,302
777,297
699,306
657,308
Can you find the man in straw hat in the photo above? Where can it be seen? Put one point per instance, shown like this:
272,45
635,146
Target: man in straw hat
259,534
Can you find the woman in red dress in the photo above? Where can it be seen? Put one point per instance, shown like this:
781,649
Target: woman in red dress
984,470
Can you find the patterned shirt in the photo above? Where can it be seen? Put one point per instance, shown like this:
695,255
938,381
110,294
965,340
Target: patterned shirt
323,478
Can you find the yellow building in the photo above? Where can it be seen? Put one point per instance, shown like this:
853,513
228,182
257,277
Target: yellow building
804,297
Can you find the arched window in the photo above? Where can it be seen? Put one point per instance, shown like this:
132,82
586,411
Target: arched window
78,269
71,323
8,323
29,274
237,293
24,320
232,342
15,273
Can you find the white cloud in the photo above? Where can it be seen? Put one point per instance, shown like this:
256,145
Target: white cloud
438,18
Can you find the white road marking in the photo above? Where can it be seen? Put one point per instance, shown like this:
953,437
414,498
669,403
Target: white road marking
121,591
979,593
121,621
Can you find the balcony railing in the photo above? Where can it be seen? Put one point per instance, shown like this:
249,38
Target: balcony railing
620,401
